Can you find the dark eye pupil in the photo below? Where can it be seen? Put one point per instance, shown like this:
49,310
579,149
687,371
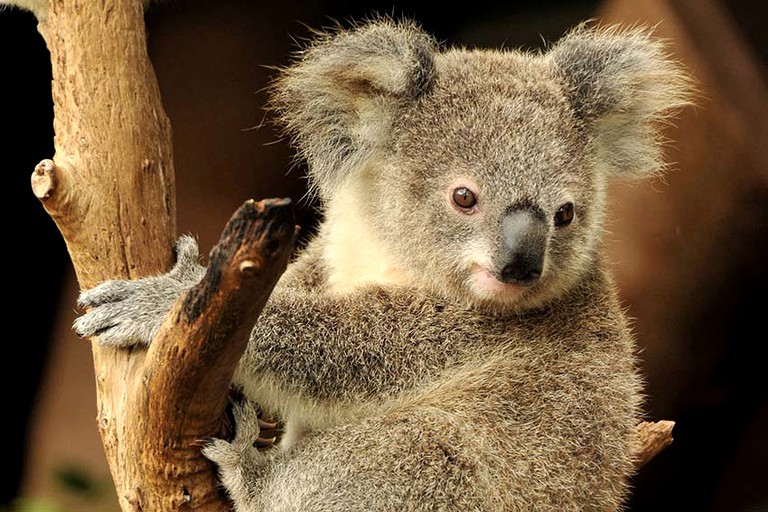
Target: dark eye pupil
564,215
464,198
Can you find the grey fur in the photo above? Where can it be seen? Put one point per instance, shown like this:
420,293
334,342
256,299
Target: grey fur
408,377
126,313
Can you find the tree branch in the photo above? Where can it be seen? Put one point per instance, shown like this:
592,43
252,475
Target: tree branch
190,363
110,187
651,439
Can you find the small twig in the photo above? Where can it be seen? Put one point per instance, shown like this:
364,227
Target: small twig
652,438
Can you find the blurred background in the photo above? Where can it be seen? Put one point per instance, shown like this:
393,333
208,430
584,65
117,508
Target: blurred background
689,249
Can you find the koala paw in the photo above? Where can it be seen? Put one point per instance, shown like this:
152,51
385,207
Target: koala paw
240,461
126,313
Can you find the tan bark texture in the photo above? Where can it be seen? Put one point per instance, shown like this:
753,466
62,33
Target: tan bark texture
652,438
111,188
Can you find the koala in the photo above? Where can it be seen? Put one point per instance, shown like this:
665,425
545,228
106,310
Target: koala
451,337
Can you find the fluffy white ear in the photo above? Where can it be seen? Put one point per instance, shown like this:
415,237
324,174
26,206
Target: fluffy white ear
337,101
621,84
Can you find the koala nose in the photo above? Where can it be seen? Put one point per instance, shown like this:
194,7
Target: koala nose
523,271
524,244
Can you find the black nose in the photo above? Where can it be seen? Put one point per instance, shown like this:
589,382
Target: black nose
522,271
524,242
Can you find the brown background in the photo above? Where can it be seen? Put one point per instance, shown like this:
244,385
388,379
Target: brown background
688,249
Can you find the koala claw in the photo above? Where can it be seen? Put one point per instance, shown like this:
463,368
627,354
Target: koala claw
267,425
123,313
114,326
265,442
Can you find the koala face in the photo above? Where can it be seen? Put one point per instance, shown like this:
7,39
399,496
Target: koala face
480,174
490,170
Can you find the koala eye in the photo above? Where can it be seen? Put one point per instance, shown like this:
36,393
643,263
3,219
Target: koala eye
464,198
564,215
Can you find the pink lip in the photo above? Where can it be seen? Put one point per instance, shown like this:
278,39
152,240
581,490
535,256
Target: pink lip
484,279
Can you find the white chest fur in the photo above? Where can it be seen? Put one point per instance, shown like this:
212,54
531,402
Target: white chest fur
353,253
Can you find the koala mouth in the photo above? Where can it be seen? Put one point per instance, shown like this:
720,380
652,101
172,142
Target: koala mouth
491,285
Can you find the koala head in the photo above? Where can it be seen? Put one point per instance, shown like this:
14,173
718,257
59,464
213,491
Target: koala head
481,173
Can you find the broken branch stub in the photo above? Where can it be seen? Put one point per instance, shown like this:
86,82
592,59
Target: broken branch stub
651,439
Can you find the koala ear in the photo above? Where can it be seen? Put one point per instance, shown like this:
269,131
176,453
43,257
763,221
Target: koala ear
621,84
338,100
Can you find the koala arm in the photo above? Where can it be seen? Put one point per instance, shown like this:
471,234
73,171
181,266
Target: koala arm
346,362
125,313
317,349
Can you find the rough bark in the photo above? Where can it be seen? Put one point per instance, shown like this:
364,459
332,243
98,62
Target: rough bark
111,188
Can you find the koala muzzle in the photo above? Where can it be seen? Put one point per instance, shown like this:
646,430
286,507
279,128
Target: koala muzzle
523,246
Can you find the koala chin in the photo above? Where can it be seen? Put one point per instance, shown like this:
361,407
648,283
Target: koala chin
451,338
